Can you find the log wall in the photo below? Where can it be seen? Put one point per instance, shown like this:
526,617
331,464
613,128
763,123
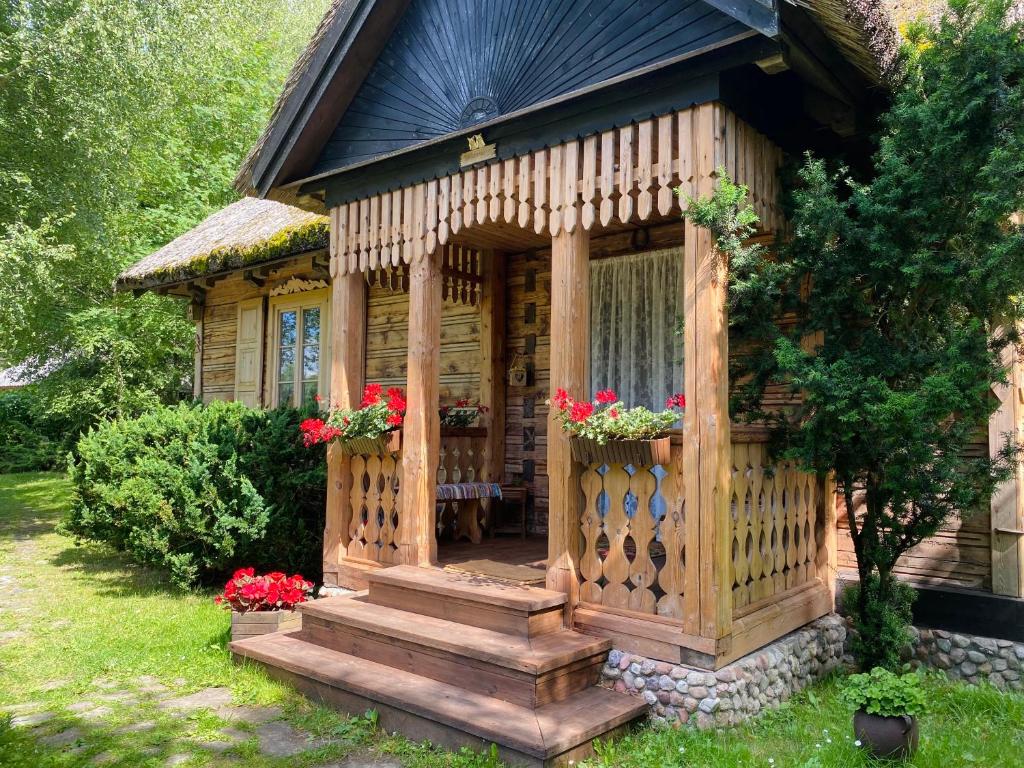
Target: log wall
220,326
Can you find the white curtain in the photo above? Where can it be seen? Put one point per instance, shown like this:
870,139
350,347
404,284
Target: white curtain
635,319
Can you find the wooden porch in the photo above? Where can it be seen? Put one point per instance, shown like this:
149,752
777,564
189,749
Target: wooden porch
697,562
732,551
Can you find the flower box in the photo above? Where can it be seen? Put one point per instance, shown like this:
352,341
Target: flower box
389,442
253,623
639,453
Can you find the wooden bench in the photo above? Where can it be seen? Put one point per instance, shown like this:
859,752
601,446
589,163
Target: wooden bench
466,498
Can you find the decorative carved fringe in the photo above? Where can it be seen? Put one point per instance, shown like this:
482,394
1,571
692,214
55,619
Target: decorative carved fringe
624,175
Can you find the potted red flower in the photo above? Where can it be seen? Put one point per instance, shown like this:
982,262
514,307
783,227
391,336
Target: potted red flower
262,604
604,431
371,429
462,414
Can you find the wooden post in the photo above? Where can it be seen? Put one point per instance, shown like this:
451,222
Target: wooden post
706,440
570,353
1007,503
421,432
492,363
197,311
348,368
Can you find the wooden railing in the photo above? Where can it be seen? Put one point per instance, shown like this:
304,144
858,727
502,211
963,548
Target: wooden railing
778,535
634,551
376,498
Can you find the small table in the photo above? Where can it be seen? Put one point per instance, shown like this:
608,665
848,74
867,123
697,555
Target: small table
512,497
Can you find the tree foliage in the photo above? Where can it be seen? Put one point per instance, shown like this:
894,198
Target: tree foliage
122,125
905,288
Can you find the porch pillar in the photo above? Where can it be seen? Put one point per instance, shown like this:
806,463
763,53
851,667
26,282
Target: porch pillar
706,441
421,432
492,363
570,353
348,369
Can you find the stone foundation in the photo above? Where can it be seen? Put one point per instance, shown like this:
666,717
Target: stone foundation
969,658
678,694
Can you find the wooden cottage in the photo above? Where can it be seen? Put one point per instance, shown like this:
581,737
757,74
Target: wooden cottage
498,185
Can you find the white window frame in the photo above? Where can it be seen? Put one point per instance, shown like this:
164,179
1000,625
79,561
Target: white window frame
298,302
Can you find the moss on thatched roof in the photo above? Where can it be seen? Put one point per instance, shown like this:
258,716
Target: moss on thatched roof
246,233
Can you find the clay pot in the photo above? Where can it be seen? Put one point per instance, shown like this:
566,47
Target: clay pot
888,737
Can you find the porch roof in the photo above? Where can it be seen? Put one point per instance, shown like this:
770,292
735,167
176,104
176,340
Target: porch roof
351,35
247,233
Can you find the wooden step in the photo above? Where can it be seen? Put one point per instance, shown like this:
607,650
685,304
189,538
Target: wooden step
467,599
425,709
529,671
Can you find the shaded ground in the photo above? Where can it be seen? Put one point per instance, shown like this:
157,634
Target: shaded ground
104,663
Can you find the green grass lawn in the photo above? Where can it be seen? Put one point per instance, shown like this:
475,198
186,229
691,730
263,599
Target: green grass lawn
79,621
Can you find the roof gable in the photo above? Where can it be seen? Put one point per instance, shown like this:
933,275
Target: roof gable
448,66
383,77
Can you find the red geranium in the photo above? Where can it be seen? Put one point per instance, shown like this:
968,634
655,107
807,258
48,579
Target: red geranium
246,592
371,395
581,411
677,400
606,397
561,399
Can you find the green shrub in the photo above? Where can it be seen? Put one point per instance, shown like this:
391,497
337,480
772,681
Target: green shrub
881,692
29,440
884,629
201,490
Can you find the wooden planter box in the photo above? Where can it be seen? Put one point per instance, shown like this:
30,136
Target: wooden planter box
245,625
389,442
639,453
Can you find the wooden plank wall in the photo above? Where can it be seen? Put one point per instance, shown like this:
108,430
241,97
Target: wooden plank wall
528,325
387,337
959,555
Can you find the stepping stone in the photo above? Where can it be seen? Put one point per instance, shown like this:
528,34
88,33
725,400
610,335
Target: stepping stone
232,737
279,739
178,759
93,715
103,758
102,682
53,685
62,739
208,698
81,706
126,697
149,684
254,715
31,721
18,709
7,637
145,725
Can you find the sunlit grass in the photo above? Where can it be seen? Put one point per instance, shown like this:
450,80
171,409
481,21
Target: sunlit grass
90,623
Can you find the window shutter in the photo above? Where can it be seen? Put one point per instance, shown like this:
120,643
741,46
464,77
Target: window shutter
249,352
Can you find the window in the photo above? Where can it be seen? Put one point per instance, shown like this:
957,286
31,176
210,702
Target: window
299,347
636,345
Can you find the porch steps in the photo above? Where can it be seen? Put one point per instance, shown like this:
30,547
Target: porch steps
467,599
530,688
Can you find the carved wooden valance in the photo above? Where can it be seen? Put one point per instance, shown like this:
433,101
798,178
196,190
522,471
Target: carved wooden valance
626,174
461,275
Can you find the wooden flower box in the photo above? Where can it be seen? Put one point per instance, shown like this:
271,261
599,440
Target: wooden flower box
255,623
389,442
639,453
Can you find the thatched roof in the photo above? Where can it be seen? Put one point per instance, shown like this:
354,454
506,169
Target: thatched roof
246,233
861,29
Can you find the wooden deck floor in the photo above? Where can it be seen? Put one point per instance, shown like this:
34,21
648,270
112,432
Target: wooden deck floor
510,559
